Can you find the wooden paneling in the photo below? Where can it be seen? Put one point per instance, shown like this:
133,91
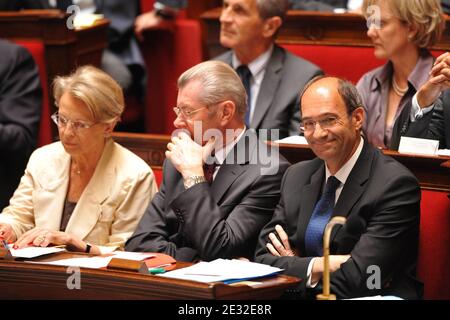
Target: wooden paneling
65,48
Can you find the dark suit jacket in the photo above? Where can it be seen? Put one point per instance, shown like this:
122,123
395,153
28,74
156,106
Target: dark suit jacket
20,111
278,103
381,201
218,221
434,125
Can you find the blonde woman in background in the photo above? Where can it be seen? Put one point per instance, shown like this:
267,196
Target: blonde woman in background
400,34
86,191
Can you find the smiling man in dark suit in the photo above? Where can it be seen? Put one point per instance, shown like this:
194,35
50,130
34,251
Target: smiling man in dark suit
274,76
220,187
378,196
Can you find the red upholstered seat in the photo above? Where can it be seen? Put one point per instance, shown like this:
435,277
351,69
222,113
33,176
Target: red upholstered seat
434,245
345,62
37,50
167,55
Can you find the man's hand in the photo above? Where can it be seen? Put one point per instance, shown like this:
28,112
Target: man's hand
151,21
187,156
335,264
438,81
7,233
277,248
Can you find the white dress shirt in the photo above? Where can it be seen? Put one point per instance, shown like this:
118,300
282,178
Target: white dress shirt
257,68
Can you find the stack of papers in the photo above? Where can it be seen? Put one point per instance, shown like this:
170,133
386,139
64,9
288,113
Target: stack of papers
293,140
222,270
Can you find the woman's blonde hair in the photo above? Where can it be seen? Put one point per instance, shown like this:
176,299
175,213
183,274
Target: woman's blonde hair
100,93
425,15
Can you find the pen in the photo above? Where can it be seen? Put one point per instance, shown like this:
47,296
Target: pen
5,244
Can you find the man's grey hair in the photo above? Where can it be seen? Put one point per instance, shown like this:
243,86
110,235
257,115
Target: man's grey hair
346,90
272,8
219,83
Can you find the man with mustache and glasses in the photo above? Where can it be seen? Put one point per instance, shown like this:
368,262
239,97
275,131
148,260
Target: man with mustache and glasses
378,196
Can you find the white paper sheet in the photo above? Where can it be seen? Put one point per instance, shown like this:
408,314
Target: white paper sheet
33,252
222,270
293,140
135,256
92,262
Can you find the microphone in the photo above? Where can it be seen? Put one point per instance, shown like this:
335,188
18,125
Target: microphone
325,295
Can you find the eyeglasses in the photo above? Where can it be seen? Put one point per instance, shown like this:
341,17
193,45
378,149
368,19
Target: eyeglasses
325,123
187,114
63,122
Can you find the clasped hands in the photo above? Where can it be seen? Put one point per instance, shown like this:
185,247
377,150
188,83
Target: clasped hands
283,249
187,156
438,81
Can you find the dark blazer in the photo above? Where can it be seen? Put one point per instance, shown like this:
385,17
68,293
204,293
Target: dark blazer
434,125
278,103
381,201
218,221
20,111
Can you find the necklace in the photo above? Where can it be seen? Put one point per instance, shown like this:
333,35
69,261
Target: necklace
399,91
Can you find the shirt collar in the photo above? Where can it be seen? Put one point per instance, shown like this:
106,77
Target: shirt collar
345,170
257,65
418,76
221,152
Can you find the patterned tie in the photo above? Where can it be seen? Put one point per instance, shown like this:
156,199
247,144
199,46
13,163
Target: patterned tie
244,73
208,170
320,217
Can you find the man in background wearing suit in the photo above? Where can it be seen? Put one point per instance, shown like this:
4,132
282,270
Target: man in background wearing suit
219,189
272,76
378,196
20,111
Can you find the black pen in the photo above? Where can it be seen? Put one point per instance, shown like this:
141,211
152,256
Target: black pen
5,244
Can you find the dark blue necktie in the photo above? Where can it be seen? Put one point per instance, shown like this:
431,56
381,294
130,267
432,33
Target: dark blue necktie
63,4
244,73
320,217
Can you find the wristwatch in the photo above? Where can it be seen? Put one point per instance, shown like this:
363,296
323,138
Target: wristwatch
193,180
164,11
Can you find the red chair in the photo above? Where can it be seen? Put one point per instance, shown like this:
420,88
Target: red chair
37,50
434,249
167,55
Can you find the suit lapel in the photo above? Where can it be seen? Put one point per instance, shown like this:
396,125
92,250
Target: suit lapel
308,198
234,164
89,207
269,87
354,186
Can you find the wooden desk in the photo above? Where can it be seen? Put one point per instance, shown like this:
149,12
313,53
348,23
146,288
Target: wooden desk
433,173
24,280
65,49
310,27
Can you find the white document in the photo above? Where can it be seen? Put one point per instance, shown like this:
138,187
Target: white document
33,252
443,152
92,262
418,146
222,270
293,140
135,256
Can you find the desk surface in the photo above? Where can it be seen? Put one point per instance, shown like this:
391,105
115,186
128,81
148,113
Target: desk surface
25,280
